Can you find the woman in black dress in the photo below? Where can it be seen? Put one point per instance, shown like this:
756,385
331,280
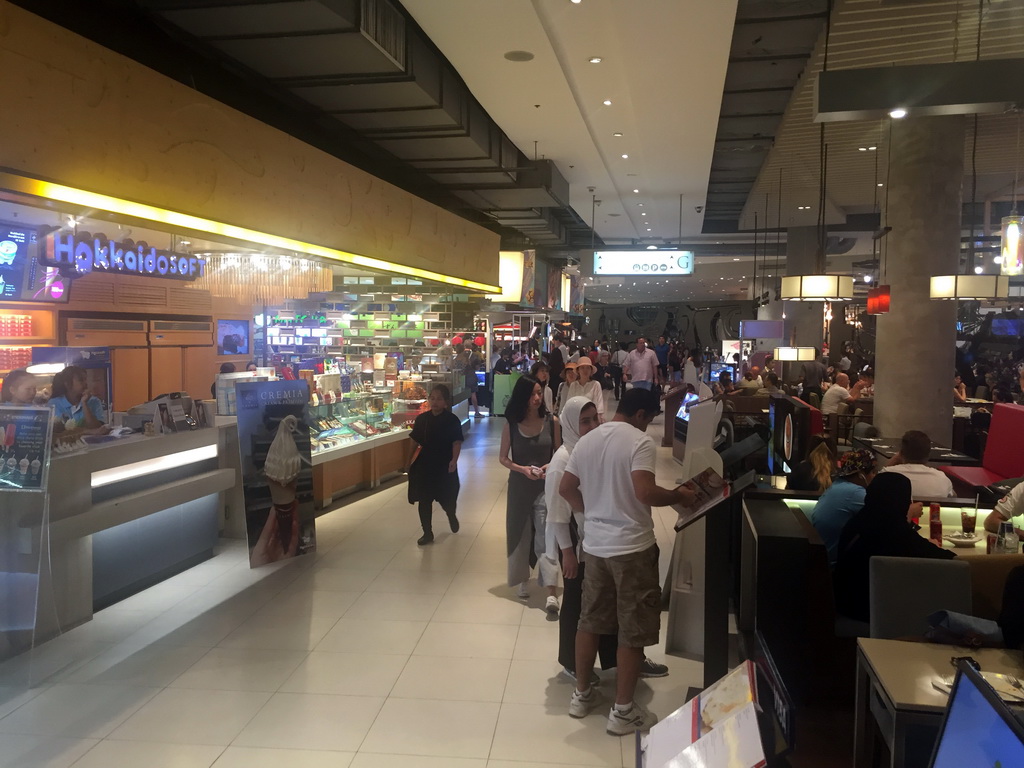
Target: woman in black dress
433,471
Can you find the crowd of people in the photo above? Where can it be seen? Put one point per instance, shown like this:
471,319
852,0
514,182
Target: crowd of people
580,492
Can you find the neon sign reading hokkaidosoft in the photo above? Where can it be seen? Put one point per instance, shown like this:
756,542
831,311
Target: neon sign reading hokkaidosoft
86,253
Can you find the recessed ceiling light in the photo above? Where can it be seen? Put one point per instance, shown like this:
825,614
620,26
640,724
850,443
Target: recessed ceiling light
648,229
625,157
881,184
640,205
872,149
897,113
607,102
576,2
636,191
617,135
594,59
735,259
862,149
652,247
867,278
644,213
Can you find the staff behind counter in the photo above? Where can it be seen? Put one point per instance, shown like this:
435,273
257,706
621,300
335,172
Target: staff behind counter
74,406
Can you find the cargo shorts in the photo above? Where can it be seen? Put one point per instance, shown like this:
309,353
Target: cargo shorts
622,596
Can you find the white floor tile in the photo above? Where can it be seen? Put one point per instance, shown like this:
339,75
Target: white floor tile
539,683
483,609
260,757
430,727
152,666
132,754
77,711
182,716
311,721
452,679
369,760
241,669
394,606
285,634
537,643
555,737
291,605
372,636
351,674
482,641
411,581
24,751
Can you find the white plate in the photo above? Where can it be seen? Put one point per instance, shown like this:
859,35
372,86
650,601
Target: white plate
963,542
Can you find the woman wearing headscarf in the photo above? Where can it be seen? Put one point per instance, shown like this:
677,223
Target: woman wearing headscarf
881,528
564,534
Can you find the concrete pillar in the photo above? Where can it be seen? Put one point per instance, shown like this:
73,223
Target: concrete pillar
803,318
915,350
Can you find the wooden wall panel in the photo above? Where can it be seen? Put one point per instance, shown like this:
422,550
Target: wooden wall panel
165,370
130,372
138,135
200,371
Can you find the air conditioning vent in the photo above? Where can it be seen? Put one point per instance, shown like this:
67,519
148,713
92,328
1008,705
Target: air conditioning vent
141,296
95,324
384,26
87,292
167,326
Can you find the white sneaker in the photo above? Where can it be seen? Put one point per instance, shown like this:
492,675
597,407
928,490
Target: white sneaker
636,718
581,704
523,593
551,605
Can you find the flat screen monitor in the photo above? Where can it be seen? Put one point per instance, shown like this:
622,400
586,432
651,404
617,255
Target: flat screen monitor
790,423
22,277
684,407
978,728
718,368
232,337
1007,326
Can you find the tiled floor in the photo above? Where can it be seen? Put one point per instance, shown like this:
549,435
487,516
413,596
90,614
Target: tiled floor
371,653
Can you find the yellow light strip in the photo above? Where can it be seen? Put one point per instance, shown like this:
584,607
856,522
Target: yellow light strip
65,194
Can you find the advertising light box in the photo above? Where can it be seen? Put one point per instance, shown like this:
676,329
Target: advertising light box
643,262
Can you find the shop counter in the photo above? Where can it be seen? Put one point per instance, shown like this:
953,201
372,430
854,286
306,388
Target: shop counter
117,518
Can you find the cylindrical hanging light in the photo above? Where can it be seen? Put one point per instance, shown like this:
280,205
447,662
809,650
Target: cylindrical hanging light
794,354
970,287
1012,250
878,300
264,278
817,288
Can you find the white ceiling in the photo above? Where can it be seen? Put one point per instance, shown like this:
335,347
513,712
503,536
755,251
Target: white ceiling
663,68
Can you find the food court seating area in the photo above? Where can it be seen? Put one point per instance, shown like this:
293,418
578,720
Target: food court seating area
1003,457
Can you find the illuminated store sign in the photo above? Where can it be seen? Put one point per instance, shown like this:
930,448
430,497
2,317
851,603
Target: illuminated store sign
643,262
95,253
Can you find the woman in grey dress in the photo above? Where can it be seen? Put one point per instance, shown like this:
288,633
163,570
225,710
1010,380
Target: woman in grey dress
528,441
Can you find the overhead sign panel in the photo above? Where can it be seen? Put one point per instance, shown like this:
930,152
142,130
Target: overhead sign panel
643,262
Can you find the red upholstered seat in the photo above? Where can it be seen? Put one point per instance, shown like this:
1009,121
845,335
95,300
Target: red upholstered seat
1004,456
817,420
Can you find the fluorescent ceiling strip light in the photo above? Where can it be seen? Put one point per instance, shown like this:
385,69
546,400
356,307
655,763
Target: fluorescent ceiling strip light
51,191
151,466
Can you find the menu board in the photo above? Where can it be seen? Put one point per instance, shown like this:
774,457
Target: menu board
22,277
25,461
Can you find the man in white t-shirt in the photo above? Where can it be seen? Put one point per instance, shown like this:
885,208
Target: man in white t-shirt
610,476
836,394
925,482
1009,507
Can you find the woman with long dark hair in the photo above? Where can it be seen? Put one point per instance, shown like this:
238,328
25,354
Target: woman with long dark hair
542,373
882,527
433,470
528,441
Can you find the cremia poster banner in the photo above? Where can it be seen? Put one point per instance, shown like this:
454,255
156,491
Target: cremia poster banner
277,473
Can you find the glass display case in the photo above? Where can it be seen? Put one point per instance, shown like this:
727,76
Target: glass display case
356,417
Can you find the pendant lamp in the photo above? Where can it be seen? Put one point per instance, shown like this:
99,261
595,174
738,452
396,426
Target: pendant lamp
878,300
794,354
970,287
1012,250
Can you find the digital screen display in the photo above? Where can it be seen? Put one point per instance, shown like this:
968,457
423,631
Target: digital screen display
22,277
975,732
232,337
1007,326
684,407
718,368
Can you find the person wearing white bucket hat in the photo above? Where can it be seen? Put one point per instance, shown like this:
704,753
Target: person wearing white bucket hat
586,386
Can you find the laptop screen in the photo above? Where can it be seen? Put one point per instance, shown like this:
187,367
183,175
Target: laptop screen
979,729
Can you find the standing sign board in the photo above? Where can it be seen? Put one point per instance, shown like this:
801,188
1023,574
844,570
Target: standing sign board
25,461
277,473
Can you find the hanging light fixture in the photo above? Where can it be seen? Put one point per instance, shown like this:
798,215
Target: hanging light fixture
879,295
794,354
264,278
878,300
1012,250
970,287
819,286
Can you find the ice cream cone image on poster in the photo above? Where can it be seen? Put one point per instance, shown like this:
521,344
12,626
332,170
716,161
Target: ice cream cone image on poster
281,469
